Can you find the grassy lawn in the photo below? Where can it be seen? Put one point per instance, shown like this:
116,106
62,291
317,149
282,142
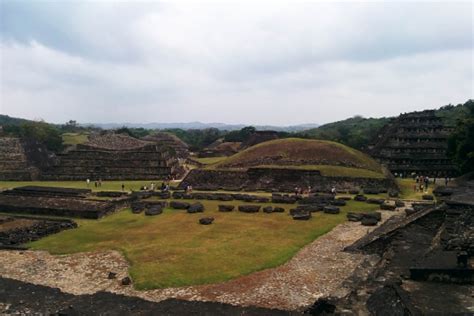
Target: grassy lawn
172,249
106,185
407,192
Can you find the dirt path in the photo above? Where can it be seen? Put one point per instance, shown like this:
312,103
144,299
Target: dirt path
316,270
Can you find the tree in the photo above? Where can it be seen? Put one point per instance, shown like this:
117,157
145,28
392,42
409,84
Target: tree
461,142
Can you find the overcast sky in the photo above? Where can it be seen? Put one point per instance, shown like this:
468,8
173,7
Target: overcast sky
254,62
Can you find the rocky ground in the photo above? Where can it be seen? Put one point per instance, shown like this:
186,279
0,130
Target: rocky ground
317,270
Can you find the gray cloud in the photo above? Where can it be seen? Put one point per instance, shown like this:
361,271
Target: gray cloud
233,62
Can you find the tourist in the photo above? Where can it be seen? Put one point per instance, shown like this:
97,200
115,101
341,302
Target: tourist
415,188
417,179
421,187
333,191
95,184
100,183
88,182
163,186
446,180
123,187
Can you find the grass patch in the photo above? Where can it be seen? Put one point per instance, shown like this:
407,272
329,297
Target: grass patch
172,249
407,191
210,160
74,138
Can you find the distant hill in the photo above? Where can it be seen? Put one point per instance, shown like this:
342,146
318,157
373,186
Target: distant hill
8,120
200,125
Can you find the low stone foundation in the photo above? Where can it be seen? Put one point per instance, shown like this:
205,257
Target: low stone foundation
17,230
277,180
58,202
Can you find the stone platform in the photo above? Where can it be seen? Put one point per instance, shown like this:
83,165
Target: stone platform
277,180
58,202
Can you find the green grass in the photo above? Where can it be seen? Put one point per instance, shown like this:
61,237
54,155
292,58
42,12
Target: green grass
172,249
106,185
334,171
74,138
408,193
210,160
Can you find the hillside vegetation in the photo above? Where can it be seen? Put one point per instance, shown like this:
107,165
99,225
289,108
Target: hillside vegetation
302,153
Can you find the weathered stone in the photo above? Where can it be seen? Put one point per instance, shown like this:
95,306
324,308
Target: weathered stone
376,215
427,197
225,208
354,217
368,221
154,210
393,194
179,205
399,203
137,207
360,198
206,220
311,207
111,275
410,211
338,202
387,207
178,195
284,199
375,201
249,208
268,209
372,190
126,281
331,210
196,208
278,210
302,216
317,199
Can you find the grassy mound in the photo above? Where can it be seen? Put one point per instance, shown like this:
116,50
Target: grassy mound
333,158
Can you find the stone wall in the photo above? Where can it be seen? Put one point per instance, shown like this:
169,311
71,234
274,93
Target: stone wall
14,162
147,163
277,180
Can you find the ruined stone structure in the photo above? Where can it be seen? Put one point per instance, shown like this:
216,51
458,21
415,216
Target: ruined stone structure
278,180
259,137
169,140
418,264
219,148
21,160
414,143
114,157
58,202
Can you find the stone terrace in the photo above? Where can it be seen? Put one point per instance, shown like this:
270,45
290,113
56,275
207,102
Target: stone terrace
114,157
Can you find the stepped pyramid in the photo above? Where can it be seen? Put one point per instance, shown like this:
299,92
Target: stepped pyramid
415,142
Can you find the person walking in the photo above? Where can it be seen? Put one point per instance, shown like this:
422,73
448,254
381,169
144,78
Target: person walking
88,182
123,187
